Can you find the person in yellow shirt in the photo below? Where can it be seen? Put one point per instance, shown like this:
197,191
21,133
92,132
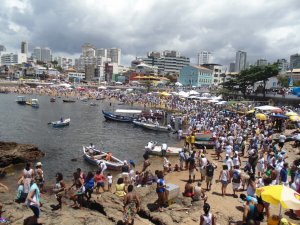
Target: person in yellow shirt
187,141
193,139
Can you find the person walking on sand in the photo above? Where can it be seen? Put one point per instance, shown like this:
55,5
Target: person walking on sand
224,178
207,218
161,190
210,168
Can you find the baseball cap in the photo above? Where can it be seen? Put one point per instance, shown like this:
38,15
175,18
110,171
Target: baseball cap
226,155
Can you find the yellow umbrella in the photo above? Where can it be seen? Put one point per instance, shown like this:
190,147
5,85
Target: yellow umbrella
294,118
291,113
287,197
250,111
261,116
164,93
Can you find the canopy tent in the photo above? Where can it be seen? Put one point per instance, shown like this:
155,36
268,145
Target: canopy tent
192,92
178,84
131,111
267,108
102,87
205,95
183,94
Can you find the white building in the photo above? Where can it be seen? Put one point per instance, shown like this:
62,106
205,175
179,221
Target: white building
64,62
37,53
13,59
115,55
76,75
46,55
240,61
262,62
204,57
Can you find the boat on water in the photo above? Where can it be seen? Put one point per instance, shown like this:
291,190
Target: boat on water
208,144
69,100
95,157
117,116
52,99
93,104
154,149
152,126
61,123
33,103
21,100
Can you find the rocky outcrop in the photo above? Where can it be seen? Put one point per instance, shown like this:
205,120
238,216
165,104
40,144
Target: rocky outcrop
14,153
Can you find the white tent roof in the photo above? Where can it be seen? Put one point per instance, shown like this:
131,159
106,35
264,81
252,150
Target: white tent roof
178,84
183,94
192,92
102,87
266,107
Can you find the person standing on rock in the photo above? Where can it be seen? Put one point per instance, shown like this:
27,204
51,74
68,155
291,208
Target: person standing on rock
27,174
131,205
59,190
34,199
39,176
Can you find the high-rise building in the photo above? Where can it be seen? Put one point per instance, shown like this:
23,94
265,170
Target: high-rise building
240,61
24,47
283,65
295,61
204,57
37,54
115,55
101,52
2,48
88,50
46,55
168,62
262,62
231,67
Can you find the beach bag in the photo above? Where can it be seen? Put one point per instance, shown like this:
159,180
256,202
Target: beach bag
236,177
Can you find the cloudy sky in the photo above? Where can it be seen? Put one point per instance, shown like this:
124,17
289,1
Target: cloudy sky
267,29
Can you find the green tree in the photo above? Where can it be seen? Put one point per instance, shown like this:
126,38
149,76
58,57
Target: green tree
283,81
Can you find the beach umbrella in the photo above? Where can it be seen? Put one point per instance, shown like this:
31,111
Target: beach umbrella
280,194
178,84
261,116
291,113
294,118
280,116
102,87
164,93
250,111
277,110
192,92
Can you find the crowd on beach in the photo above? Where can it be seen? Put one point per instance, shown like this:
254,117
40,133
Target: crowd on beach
235,136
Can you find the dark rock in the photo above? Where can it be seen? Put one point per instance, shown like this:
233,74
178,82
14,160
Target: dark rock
14,153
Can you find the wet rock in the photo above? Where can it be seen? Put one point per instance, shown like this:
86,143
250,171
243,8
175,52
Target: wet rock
14,153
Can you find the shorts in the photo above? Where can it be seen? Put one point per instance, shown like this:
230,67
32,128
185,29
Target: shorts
224,182
280,144
192,172
203,171
235,186
100,184
209,179
36,210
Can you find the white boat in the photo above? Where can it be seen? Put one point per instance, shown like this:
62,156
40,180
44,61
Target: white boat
154,149
63,123
95,157
33,102
152,126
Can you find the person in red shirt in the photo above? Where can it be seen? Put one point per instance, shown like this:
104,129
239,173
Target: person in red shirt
99,180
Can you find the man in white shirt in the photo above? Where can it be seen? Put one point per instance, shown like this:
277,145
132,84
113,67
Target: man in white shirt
228,161
164,148
281,140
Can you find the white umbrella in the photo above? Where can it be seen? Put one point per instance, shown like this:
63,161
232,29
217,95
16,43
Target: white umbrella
178,84
102,87
183,94
192,92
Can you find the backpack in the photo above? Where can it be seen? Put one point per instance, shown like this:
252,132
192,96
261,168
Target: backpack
210,170
236,178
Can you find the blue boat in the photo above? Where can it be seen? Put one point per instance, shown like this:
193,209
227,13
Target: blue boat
59,123
113,117
21,100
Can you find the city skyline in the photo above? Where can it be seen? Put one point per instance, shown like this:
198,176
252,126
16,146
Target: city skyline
222,27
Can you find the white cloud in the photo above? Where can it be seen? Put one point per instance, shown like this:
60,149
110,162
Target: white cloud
263,28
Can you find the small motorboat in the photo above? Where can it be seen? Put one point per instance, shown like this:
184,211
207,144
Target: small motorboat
52,99
152,126
95,157
21,100
93,104
33,103
61,123
118,118
69,100
154,149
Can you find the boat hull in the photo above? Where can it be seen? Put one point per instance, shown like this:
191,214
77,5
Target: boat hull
171,151
113,117
58,124
152,127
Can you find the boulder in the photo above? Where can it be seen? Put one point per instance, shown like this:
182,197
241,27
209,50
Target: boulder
14,153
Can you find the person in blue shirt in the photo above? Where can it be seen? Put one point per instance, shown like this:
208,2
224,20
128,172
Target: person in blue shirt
284,174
